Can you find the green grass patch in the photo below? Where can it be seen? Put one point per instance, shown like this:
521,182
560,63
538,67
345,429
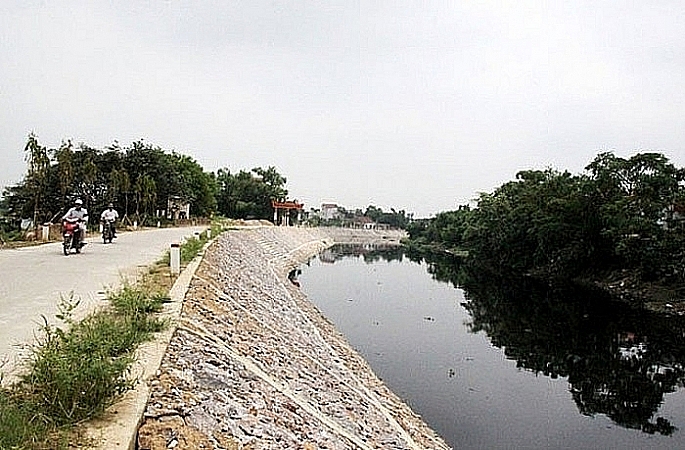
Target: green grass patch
20,425
192,246
77,370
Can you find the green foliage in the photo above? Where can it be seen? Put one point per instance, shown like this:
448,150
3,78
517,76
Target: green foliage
248,195
138,179
345,218
621,215
77,370
192,247
20,426
393,218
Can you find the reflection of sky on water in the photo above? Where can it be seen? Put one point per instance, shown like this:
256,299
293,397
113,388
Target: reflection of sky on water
419,339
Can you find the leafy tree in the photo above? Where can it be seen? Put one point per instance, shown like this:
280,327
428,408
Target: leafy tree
38,170
636,196
64,157
395,219
249,194
55,177
145,191
621,216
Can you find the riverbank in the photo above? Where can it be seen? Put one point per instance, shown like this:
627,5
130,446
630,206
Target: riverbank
625,285
254,364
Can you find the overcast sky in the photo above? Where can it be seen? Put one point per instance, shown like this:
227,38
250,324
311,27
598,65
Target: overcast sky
417,105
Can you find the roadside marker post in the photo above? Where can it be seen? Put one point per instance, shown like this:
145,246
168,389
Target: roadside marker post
46,232
175,259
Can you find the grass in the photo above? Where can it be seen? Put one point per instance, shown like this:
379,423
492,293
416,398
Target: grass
192,246
78,369
20,426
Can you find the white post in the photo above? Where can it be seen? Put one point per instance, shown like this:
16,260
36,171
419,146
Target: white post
159,224
46,232
135,224
100,227
175,259
209,233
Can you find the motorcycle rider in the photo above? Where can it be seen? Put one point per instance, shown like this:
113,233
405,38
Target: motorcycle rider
80,214
110,215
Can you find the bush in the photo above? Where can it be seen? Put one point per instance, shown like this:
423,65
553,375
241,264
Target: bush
76,371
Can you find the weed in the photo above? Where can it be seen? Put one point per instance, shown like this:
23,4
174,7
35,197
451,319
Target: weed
191,247
20,425
76,371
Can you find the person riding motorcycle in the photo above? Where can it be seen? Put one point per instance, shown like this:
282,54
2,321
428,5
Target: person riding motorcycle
78,214
110,215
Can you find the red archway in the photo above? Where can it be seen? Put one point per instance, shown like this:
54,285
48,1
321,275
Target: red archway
283,209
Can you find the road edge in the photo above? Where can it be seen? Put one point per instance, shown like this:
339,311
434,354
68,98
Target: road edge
118,427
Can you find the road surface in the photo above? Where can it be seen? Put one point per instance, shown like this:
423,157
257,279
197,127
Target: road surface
32,279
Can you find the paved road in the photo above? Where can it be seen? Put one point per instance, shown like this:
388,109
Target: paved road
33,278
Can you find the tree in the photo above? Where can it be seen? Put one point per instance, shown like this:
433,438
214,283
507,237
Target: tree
637,196
65,168
38,167
146,195
249,194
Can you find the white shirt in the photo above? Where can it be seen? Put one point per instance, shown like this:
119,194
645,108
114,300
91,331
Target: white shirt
80,214
110,215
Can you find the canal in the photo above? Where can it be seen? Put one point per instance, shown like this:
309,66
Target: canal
502,364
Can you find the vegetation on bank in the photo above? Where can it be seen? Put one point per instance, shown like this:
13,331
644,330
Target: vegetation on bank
75,371
622,219
139,179
372,215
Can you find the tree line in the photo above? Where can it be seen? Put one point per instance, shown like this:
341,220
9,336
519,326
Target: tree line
351,217
621,217
138,179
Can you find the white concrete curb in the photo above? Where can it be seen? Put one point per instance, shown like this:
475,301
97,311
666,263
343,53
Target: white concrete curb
118,427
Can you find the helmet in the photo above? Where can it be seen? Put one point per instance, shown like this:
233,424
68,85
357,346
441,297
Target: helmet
110,205
79,201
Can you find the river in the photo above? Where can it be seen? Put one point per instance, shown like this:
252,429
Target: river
502,365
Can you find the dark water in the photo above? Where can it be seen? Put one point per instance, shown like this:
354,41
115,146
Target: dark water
508,365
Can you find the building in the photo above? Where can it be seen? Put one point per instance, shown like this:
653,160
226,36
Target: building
177,208
329,211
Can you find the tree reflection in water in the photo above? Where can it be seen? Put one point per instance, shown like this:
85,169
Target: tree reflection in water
370,252
619,361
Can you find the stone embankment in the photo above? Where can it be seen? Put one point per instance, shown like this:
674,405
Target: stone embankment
253,364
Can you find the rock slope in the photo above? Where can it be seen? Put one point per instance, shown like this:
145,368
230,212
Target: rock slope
253,364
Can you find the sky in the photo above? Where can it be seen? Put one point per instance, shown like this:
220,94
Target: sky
415,105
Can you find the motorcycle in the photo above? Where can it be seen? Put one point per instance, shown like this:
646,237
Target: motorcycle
107,233
72,236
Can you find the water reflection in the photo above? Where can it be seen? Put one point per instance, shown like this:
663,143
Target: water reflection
369,252
619,362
